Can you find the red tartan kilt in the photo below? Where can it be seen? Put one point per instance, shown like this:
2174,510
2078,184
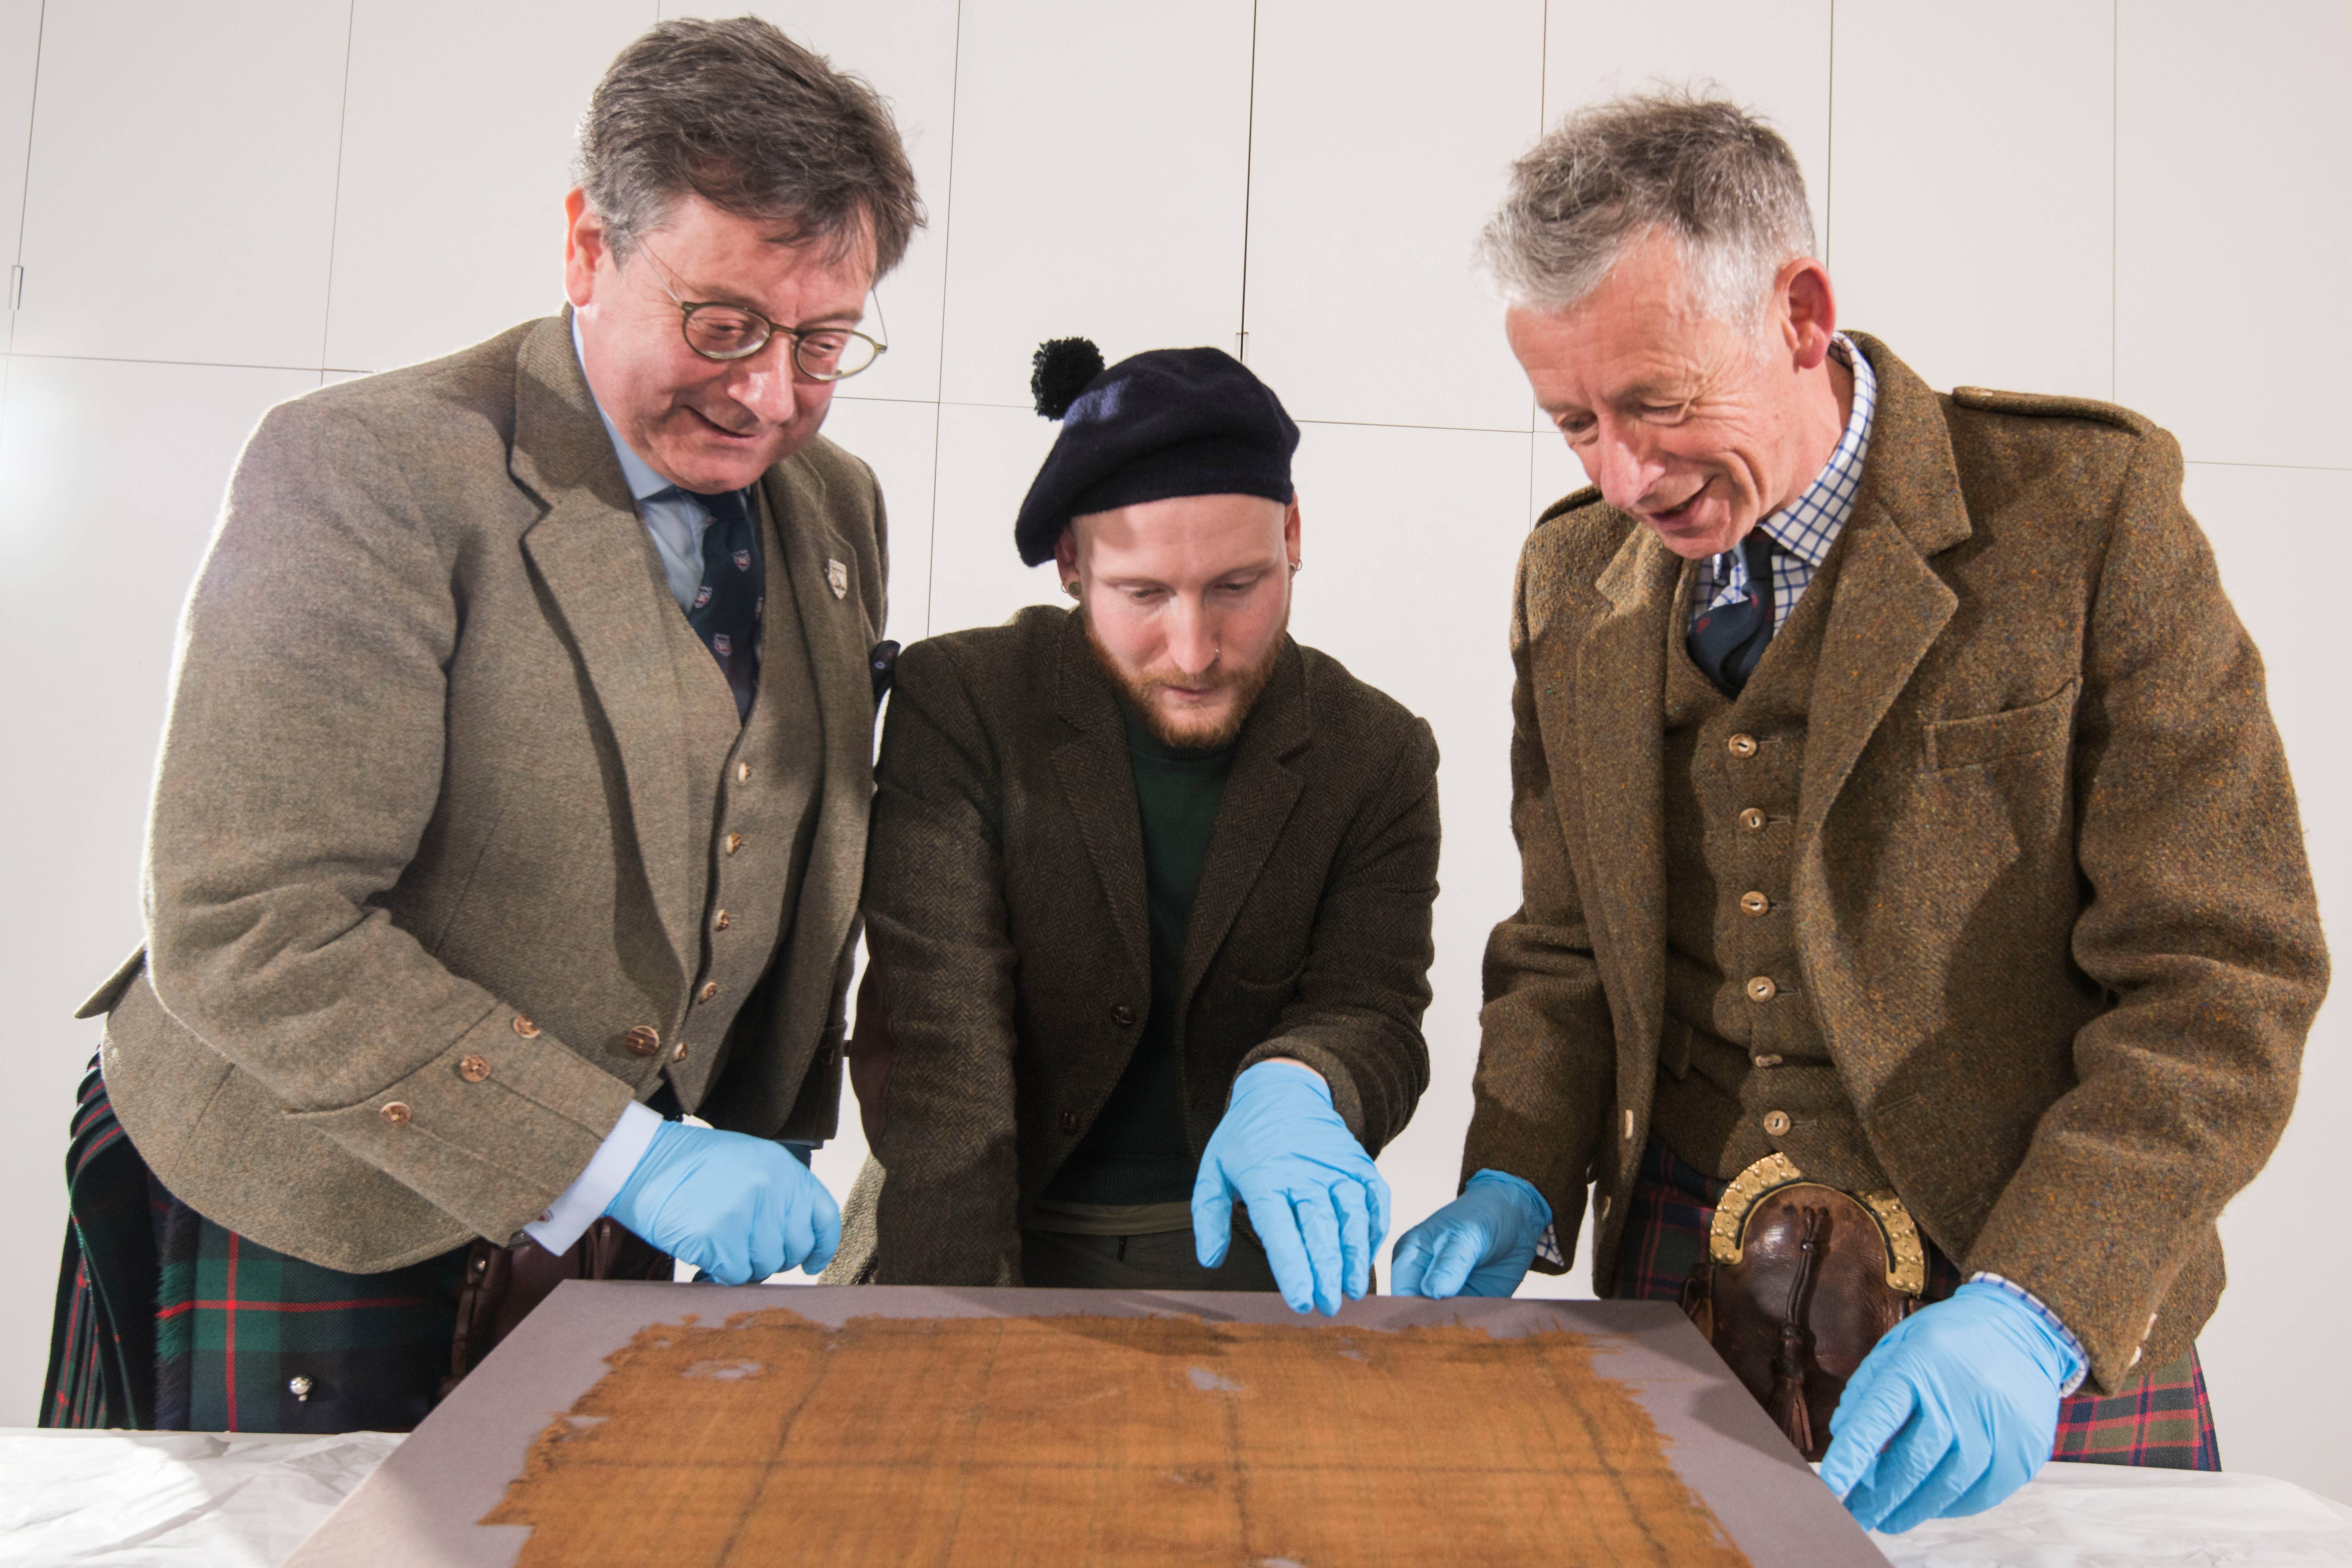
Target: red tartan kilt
2164,1420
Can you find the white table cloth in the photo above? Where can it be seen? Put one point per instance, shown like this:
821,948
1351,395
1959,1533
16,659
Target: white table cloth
194,1500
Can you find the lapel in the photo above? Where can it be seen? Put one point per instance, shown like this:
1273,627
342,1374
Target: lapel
1887,606
1260,792
834,627
1620,674
1099,785
590,549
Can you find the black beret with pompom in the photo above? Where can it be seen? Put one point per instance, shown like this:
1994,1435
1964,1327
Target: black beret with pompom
1172,422
1059,371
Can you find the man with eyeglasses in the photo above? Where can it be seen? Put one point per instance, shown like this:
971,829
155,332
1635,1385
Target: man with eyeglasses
513,800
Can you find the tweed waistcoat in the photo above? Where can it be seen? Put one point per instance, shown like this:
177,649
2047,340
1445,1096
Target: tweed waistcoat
1742,1046
751,791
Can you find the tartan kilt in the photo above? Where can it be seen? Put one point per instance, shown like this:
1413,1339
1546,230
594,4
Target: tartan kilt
167,1320
2164,1420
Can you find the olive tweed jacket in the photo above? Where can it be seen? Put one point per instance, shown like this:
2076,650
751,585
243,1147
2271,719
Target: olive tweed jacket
2050,893
422,854
1005,917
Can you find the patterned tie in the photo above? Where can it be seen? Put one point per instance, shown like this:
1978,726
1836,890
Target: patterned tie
729,604
1727,641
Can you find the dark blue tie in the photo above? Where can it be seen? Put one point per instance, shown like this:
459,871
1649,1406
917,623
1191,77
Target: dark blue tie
729,604
1727,641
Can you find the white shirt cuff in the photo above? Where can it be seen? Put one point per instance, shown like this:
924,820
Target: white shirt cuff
2082,1369
577,1206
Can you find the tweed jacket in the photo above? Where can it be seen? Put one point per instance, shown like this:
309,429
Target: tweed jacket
1006,922
422,799
2050,900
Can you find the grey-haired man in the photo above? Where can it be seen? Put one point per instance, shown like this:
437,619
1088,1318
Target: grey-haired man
1914,910
513,801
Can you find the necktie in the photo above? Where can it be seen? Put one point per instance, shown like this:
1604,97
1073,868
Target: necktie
729,604
1727,641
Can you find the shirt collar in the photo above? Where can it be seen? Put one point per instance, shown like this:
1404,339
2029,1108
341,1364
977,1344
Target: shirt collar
644,483
1807,526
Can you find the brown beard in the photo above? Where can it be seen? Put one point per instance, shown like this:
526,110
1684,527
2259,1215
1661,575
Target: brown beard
1245,684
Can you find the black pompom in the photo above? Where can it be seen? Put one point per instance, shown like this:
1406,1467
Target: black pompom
1059,371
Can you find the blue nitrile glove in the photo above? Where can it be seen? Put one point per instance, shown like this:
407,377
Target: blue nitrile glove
1478,1245
1315,1198
1962,1398
740,1208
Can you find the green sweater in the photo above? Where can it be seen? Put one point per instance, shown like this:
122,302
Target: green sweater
1135,1152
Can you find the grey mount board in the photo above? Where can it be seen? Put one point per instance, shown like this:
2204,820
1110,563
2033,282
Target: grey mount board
418,1510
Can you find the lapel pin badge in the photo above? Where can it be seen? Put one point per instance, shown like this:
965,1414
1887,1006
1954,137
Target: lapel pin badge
837,577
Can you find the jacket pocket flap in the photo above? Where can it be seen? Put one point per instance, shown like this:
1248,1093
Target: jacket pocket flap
2017,733
104,998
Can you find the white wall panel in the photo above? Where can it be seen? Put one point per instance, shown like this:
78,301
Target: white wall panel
907,49
1974,163
183,180
1773,55
450,226
898,441
20,33
2267,1346
988,455
1380,145
1558,471
111,475
1100,182
2235,211
1409,540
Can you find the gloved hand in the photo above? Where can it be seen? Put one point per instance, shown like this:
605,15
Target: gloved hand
1962,1396
1478,1245
1315,1198
740,1208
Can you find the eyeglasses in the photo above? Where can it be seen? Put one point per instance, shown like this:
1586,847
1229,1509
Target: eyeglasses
723,332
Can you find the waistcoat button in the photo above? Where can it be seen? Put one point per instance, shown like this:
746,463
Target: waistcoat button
734,842
396,1113
525,1028
1121,1014
643,1041
1752,820
742,772
1765,1061
1069,1121
473,1070
720,921
1742,746
1754,903
710,989
1761,989
679,1054
1776,1122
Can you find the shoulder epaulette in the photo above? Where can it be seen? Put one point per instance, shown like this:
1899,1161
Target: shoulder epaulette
2044,406
1569,503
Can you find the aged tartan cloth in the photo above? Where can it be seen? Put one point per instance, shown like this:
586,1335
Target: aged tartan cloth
166,1319
2164,1421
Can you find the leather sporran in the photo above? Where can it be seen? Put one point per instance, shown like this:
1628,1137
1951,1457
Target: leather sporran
502,1284
1799,1282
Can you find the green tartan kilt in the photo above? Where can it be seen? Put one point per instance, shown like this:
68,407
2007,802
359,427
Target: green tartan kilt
167,1320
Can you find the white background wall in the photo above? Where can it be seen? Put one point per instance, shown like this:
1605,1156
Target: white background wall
218,206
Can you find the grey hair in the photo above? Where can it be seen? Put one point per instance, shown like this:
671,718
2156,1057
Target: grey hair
1702,170
739,114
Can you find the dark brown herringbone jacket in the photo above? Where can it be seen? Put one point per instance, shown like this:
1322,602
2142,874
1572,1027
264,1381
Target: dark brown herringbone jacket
1006,914
2050,894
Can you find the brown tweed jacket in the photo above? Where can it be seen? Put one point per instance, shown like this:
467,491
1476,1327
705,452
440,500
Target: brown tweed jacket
2050,892
1004,914
423,797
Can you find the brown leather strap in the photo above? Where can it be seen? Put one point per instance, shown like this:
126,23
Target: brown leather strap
502,1284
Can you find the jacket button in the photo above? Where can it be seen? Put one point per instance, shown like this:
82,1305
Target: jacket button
678,1054
1776,1122
742,772
721,920
1069,1121
1761,989
734,842
1752,820
473,1070
710,989
525,1028
1754,903
1766,1060
1122,1014
1742,746
396,1113
643,1041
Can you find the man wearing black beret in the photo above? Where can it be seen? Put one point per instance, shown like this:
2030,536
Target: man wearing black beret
1148,894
